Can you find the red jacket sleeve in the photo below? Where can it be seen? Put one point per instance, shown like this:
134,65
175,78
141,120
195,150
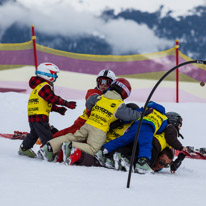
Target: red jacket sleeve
92,92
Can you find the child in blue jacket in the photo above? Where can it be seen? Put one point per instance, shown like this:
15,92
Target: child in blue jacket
153,123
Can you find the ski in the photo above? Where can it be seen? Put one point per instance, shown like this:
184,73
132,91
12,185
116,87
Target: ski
16,135
194,153
9,136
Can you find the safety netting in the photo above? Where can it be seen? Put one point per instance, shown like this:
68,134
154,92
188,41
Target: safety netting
150,66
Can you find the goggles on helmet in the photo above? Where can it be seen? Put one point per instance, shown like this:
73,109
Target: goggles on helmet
52,75
104,81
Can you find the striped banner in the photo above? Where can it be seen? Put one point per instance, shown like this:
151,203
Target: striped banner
141,66
151,66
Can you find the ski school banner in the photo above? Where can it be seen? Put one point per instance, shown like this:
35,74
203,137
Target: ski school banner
152,65
141,66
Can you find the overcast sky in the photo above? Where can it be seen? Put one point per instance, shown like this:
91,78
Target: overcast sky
80,17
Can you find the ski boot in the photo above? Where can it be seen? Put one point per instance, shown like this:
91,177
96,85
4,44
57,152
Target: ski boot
142,166
47,152
66,148
109,163
100,157
74,156
40,155
125,164
117,157
202,150
28,152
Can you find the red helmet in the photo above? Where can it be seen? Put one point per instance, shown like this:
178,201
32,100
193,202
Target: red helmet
122,86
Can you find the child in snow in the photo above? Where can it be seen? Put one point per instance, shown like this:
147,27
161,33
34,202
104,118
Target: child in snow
104,80
105,109
162,156
168,138
41,102
153,123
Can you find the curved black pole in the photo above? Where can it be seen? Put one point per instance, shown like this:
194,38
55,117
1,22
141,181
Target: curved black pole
143,112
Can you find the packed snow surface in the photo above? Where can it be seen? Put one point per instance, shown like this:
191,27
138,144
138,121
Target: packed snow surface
33,182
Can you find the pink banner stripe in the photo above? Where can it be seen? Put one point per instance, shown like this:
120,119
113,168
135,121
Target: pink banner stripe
17,57
25,57
120,68
162,94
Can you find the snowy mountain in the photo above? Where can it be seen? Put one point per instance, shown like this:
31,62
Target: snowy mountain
107,27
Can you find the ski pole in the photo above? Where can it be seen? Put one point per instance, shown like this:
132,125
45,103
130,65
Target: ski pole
143,112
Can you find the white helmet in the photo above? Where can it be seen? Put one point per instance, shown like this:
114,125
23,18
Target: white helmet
47,71
105,74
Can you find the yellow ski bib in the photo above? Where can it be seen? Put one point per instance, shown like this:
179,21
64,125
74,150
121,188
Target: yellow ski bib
84,115
156,118
102,114
37,105
161,139
117,132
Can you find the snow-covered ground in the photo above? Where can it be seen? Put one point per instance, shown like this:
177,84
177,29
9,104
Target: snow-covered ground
33,182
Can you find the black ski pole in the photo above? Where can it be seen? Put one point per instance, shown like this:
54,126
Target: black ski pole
143,112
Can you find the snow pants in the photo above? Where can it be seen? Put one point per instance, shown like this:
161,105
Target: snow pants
94,137
38,129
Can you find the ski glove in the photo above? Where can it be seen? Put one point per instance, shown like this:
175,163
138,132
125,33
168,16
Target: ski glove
115,124
61,110
53,129
176,164
71,104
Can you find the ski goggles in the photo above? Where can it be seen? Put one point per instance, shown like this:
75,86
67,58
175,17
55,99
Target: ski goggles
104,81
162,162
52,74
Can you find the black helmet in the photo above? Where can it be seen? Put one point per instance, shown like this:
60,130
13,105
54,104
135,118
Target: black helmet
132,106
174,118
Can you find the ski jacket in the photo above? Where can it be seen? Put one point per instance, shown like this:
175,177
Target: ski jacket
123,112
125,139
171,136
148,129
90,92
48,95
